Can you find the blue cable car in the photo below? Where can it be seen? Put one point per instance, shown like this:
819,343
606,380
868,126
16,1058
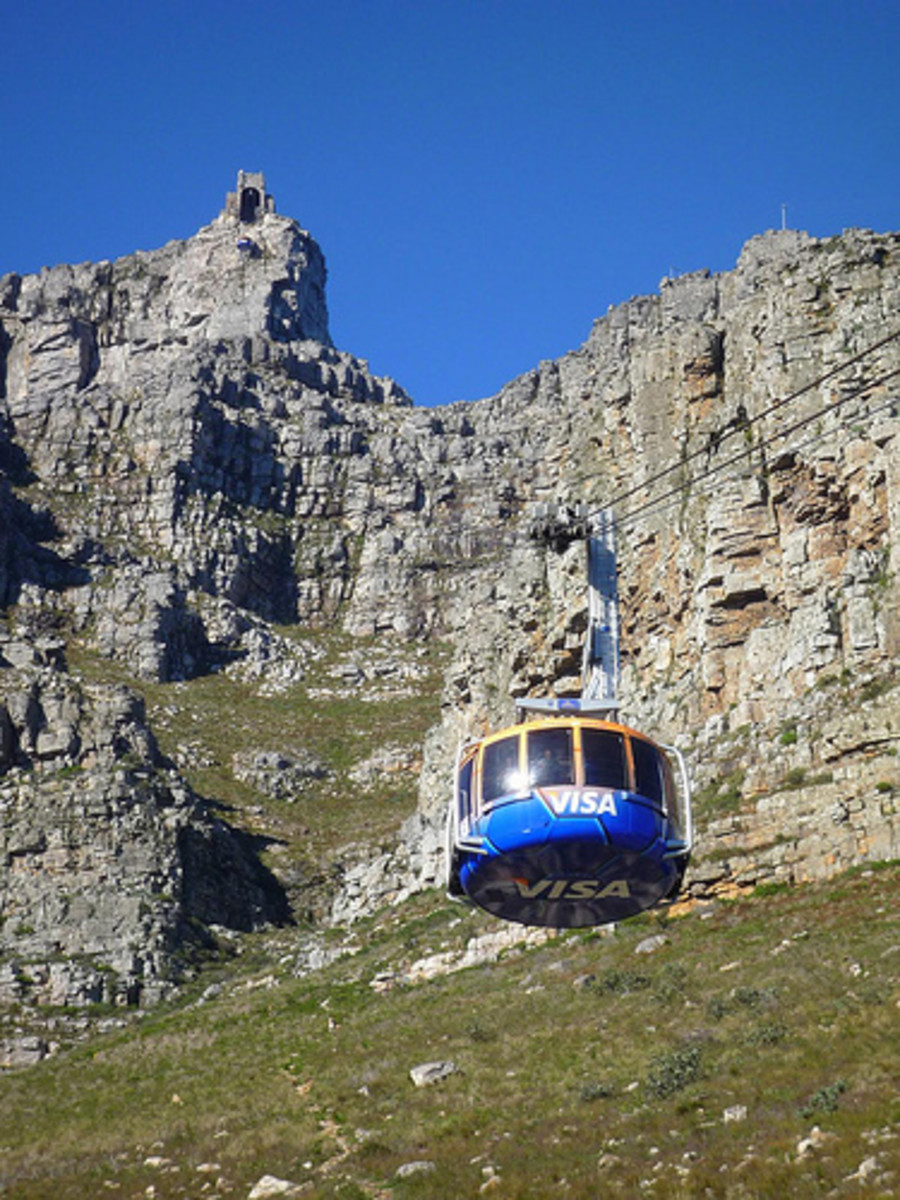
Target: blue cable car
568,820
571,818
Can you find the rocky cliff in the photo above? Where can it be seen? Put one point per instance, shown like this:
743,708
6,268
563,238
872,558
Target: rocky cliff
189,465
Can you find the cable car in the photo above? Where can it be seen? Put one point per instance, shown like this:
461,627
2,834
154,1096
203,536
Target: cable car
571,818
568,820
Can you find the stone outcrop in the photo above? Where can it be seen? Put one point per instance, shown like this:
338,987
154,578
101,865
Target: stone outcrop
186,459
112,868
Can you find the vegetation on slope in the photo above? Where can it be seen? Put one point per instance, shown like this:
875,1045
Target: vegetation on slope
204,725
584,1066
748,1049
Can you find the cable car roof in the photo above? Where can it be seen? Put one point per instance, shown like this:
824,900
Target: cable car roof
564,720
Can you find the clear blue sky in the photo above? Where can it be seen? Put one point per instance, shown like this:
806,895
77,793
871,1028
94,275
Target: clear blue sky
484,178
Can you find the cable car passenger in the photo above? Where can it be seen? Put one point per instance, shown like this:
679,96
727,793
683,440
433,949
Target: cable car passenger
551,761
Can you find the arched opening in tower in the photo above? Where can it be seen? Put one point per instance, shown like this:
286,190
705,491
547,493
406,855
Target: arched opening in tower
250,204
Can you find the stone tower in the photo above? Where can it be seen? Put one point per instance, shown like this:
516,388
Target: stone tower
250,200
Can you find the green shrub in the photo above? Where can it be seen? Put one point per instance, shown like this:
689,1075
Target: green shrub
596,1091
751,997
877,687
769,1034
477,1032
672,985
825,1100
622,981
723,795
774,888
674,1071
716,1008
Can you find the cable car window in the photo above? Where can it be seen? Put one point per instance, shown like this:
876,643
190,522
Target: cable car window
464,796
604,759
500,775
649,780
550,757
674,809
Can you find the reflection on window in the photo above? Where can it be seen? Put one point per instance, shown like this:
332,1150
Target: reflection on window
464,800
604,759
674,808
550,758
648,771
500,769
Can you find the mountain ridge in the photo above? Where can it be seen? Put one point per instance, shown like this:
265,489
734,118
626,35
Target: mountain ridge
191,470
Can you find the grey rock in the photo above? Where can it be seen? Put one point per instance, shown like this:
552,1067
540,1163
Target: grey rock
7,739
649,945
419,1167
22,1051
278,775
271,1185
432,1072
111,866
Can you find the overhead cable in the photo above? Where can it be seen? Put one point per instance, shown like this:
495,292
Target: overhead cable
750,421
702,486
757,446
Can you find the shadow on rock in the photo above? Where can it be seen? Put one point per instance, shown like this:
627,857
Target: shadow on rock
224,881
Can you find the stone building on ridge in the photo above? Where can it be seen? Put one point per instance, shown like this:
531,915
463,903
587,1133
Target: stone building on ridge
250,200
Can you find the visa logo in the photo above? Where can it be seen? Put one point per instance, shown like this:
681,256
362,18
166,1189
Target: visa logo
575,802
572,889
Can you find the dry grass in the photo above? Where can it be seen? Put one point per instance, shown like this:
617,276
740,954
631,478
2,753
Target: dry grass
583,1067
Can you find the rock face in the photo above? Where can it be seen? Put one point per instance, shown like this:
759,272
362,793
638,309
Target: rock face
112,868
187,459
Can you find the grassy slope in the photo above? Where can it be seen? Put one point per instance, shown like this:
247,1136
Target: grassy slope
584,1068
202,724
